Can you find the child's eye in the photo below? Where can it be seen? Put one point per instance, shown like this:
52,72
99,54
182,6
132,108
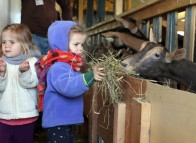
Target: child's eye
12,42
3,42
76,44
8,42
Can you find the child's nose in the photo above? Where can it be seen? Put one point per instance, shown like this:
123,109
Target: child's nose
7,44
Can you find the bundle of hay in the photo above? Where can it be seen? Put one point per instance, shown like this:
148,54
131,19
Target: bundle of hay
110,87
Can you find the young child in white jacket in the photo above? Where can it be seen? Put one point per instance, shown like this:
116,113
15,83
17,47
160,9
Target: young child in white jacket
18,81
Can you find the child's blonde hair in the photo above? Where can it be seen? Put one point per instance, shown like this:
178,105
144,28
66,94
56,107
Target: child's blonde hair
77,29
23,35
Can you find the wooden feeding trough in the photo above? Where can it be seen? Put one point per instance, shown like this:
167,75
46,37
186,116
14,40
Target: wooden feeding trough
167,116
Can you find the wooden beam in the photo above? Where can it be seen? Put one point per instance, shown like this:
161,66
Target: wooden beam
145,11
118,7
171,34
89,13
119,123
80,11
189,35
101,10
145,28
90,109
157,28
158,7
140,121
127,5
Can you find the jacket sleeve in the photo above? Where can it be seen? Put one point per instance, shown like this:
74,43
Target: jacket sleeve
3,82
29,78
66,7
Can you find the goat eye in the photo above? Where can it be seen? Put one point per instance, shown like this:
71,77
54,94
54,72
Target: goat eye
157,55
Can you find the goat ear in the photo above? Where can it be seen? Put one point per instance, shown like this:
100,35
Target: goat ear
179,54
176,55
152,37
124,23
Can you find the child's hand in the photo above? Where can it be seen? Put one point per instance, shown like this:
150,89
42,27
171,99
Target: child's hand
3,67
98,73
24,66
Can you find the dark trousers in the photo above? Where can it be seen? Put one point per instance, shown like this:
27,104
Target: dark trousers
16,134
60,134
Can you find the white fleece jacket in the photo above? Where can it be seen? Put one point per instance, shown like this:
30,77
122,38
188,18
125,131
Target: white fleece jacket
18,95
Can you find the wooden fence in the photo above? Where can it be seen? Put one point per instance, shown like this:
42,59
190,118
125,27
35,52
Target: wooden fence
160,15
169,115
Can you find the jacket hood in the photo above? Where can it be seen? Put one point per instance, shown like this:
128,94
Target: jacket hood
58,35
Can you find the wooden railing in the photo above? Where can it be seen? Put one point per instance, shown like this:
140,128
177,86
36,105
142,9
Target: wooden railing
164,16
159,14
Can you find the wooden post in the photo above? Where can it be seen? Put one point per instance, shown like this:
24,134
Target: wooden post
118,7
145,28
189,32
89,13
119,123
93,118
157,28
80,11
127,5
101,10
171,35
140,121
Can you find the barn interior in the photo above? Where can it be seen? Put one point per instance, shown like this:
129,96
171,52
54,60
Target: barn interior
147,112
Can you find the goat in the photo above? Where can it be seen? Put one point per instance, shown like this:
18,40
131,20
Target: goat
119,37
155,61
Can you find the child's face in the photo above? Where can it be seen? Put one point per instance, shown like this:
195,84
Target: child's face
76,42
10,46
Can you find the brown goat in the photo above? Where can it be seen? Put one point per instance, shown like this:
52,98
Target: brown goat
155,61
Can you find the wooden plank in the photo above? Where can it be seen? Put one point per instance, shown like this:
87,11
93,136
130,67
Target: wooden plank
101,10
127,5
119,123
171,35
157,28
172,38
89,13
105,121
173,115
80,11
118,7
145,28
108,24
141,121
133,88
158,7
189,35
145,11
90,110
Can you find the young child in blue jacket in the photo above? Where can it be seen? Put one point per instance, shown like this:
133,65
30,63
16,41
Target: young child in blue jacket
63,98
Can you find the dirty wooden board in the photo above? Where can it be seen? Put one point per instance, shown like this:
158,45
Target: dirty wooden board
173,115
